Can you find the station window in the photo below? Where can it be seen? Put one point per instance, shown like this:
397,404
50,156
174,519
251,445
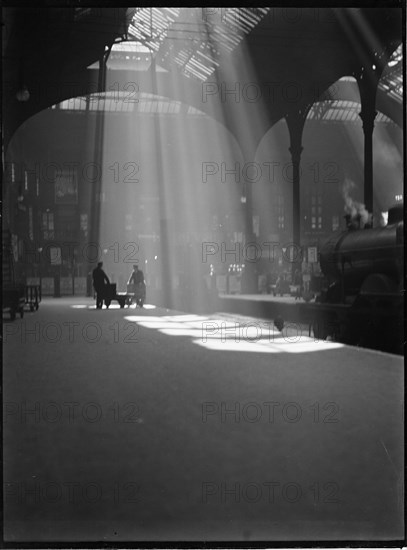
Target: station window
13,173
84,222
48,225
48,221
25,180
49,235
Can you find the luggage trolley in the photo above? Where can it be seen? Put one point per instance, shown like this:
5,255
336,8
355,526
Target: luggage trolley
33,296
14,300
110,294
135,293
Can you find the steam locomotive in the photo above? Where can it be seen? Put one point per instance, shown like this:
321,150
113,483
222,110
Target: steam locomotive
362,303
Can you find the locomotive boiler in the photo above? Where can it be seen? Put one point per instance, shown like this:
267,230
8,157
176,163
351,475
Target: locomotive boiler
362,303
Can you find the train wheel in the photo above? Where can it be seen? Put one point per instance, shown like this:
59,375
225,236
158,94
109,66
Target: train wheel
319,330
307,296
324,325
395,332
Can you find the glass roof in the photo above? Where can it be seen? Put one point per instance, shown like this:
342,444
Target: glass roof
119,102
80,13
193,38
391,81
341,111
128,55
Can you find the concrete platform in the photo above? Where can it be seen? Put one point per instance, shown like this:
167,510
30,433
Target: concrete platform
264,305
134,425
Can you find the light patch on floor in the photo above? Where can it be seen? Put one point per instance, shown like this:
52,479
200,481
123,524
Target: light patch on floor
221,335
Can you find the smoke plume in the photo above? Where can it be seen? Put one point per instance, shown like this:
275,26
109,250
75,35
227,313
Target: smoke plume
352,207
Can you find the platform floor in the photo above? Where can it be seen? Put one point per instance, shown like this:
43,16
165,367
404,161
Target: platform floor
156,425
286,299
266,306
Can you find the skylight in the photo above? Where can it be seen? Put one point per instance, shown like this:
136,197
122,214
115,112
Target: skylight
340,111
193,39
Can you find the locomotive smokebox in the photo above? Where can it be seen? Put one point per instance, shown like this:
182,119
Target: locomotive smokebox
395,214
351,256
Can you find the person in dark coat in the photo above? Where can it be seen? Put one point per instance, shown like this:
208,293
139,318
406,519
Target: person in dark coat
139,288
298,284
136,277
99,280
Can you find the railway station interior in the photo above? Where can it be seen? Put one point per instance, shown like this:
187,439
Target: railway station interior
249,162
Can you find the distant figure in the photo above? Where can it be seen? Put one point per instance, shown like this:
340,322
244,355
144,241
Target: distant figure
271,278
279,323
99,279
298,284
282,285
262,284
136,277
306,277
137,285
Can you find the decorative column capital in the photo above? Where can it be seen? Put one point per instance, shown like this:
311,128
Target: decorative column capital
368,118
295,122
